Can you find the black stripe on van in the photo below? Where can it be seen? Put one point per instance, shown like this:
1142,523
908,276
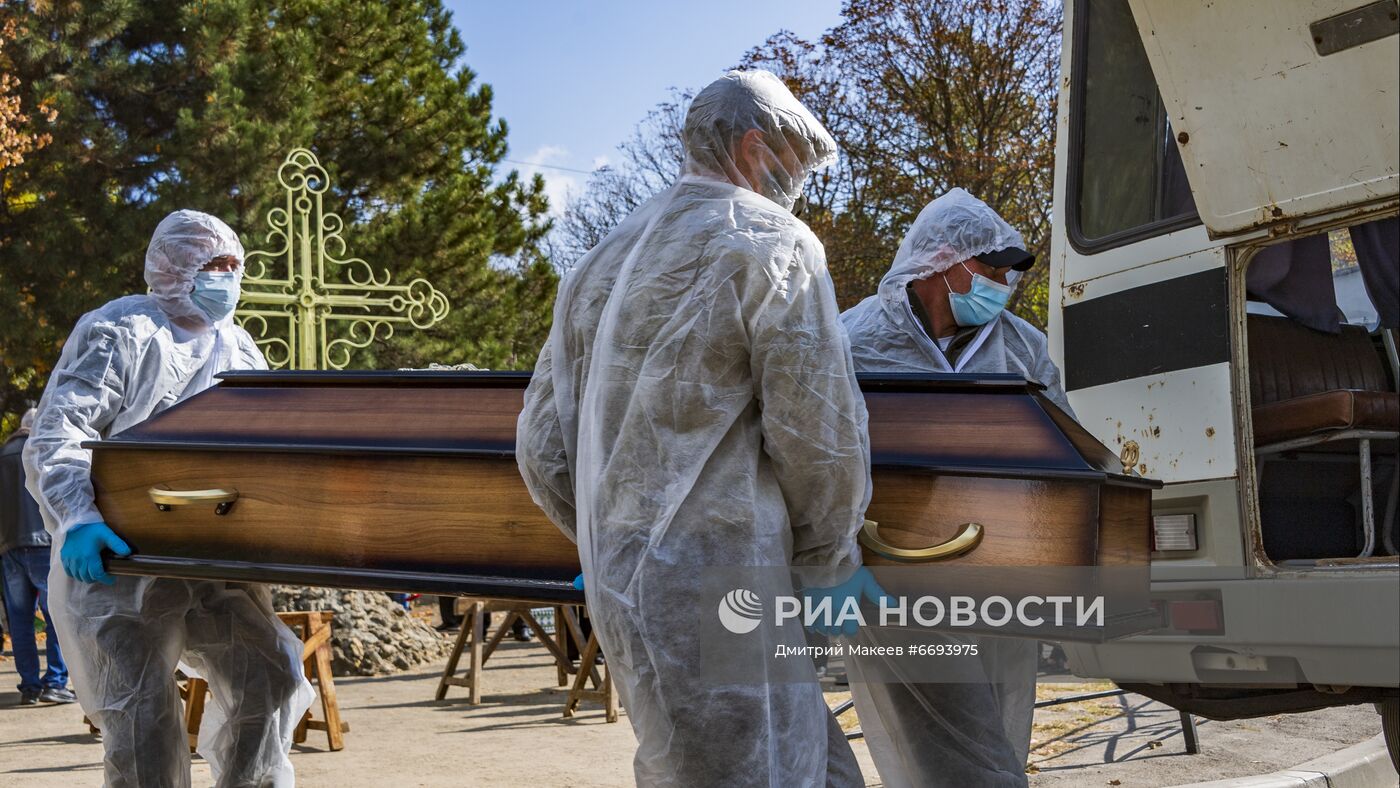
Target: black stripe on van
1175,324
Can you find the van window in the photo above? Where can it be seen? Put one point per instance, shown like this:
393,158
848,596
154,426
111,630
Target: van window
1130,175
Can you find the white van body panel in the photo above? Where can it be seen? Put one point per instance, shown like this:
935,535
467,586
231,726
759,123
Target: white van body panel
1289,619
1239,78
1182,421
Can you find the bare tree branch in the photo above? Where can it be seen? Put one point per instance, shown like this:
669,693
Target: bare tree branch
651,161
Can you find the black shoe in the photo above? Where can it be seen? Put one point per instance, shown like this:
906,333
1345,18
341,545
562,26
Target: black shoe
522,633
29,698
57,695
449,626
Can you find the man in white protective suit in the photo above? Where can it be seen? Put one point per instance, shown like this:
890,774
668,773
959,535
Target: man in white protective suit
940,308
124,636
695,406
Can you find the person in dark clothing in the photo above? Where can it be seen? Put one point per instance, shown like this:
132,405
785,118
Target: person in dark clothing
585,627
24,566
451,622
447,610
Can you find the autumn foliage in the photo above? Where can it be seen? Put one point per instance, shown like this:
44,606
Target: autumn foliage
923,96
17,136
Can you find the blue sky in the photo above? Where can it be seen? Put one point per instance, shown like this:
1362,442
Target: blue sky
571,79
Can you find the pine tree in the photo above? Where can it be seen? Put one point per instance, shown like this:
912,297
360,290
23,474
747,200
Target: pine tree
166,104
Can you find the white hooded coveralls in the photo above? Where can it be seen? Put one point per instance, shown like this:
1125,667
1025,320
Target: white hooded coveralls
124,362
695,406
964,732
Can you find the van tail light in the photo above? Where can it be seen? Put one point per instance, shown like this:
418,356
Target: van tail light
1173,532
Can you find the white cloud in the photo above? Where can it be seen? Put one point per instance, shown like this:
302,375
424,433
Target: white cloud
559,185
547,154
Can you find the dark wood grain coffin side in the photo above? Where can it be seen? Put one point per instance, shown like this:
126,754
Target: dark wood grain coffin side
1125,526
440,514
1026,521
437,515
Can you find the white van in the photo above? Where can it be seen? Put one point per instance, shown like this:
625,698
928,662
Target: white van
1223,277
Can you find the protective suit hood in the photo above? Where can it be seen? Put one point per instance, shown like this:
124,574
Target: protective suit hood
885,335
182,244
949,230
794,142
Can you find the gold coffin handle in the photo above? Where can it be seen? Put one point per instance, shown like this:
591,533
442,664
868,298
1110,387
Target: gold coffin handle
165,498
967,538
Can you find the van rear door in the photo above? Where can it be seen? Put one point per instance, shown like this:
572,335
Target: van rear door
1281,110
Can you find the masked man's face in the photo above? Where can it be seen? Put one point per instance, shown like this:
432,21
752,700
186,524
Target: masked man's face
959,277
222,264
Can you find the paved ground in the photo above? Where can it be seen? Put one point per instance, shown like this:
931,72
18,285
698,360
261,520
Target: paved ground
401,737
1133,741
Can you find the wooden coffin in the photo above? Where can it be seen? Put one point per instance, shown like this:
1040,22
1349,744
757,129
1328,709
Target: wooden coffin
407,481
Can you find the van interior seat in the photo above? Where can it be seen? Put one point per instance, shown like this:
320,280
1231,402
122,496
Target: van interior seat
1305,383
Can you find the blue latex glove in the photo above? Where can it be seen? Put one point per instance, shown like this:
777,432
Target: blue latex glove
860,584
578,582
82,552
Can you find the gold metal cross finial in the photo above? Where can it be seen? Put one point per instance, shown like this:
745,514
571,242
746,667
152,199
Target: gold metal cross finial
305,303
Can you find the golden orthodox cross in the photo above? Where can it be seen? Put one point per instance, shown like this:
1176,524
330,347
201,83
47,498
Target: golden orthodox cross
305,303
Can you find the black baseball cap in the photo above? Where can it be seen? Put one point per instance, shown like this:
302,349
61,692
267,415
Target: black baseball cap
1013,257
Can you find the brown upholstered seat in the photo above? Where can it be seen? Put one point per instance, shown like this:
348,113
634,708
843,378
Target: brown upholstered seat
1326,412
1305,382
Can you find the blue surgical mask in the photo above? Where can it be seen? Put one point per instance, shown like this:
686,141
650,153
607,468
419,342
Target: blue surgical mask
216,293
979,305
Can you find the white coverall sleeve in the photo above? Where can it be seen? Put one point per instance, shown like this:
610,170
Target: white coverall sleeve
814,419
82,399
540,450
